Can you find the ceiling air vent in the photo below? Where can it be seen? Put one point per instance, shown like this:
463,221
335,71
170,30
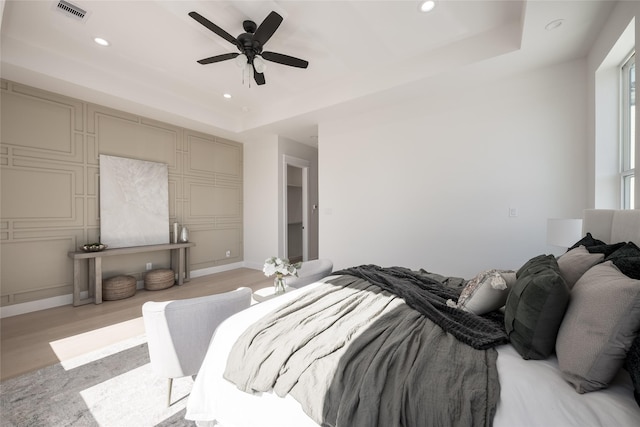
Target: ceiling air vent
71,10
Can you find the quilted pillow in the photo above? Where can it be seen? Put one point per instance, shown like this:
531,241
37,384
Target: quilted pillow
574,263
535,307
486,292
599,327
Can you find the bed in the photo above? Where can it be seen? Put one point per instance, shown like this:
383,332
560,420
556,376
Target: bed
575,372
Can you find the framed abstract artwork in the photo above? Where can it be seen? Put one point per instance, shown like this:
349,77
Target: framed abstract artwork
134,202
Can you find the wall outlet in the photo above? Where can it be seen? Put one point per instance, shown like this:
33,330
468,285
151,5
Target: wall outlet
228,254
149,266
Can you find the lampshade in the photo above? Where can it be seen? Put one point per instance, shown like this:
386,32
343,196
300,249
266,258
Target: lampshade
259,64
563,232
241,60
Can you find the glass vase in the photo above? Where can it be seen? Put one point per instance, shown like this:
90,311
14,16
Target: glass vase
184,235
278,285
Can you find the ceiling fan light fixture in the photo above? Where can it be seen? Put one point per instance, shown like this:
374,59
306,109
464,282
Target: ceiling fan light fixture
259,64
247,73
427,6
241,60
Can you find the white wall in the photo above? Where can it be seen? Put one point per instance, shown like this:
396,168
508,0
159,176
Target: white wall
260,200
429,184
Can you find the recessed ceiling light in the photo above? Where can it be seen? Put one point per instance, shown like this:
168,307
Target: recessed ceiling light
427,6
101,41
227,95
556,23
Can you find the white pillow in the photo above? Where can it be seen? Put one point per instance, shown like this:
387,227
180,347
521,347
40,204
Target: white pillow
486,292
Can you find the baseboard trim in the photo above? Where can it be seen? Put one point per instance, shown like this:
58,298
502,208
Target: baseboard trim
253,265
43,304
219,269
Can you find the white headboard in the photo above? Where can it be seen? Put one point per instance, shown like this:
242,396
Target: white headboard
612,226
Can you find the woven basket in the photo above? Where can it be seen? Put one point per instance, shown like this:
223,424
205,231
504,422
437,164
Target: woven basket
162,278
118,287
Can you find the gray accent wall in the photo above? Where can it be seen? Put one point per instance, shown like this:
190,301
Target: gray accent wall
49,152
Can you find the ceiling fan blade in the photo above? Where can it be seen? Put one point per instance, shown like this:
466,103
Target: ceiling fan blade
285,59
258,77
218,58
213,27
267,28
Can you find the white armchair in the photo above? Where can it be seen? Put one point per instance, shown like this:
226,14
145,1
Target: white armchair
178,332
309,272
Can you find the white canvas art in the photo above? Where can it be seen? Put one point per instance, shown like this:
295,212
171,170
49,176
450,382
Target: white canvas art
134,202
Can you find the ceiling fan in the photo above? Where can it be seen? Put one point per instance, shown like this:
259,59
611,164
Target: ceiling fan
250,44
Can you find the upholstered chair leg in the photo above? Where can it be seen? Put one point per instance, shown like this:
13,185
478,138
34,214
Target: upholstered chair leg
169,392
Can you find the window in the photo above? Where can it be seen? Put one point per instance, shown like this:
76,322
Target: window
628,132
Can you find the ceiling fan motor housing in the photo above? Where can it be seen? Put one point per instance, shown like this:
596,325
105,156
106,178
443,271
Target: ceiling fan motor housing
249,46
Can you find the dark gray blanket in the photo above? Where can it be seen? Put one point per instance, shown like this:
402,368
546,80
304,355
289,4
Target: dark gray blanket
355,355
429,297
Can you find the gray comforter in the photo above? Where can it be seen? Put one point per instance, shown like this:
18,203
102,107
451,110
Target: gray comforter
356,355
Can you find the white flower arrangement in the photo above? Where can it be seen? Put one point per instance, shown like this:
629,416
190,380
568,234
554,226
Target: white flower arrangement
280,266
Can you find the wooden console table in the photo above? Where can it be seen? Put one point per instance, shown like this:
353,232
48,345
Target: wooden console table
178,250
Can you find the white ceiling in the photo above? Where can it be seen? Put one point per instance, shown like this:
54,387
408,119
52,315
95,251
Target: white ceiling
361,54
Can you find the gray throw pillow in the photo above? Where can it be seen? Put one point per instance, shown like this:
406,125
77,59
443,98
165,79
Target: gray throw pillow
535,307
599,327
574,263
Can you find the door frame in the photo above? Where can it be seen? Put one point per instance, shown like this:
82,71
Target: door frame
304,165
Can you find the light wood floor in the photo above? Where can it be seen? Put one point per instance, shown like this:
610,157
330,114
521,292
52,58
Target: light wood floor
35,340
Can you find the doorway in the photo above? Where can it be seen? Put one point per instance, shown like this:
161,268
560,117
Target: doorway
296,220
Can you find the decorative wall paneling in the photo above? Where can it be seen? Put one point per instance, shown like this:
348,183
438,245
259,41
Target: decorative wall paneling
49,163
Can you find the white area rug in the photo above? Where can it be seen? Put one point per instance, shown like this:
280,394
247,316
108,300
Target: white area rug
111,387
